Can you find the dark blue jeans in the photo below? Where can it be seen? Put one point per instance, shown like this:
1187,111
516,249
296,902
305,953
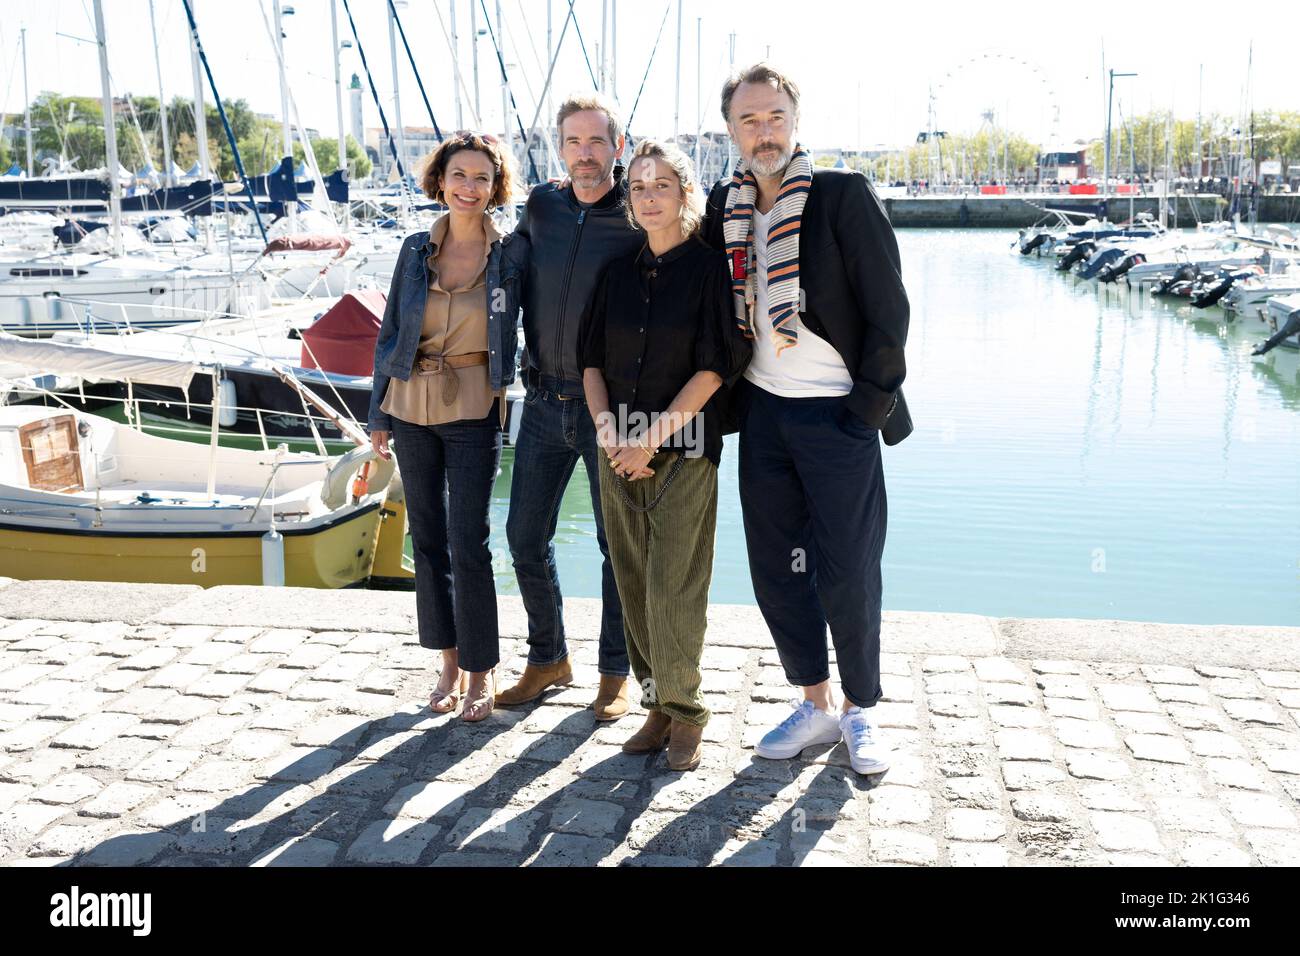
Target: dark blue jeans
448,472
553,434
812,493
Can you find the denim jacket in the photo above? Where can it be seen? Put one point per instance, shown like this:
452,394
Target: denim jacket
399,334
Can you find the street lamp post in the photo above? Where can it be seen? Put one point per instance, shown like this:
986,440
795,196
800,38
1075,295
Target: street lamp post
1105,175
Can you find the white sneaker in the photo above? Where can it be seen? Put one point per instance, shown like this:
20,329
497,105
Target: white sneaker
806,726
868,752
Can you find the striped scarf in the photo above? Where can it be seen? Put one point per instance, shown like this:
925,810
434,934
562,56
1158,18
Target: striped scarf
782,247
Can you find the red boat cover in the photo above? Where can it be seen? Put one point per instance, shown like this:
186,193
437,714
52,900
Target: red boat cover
343,339
306,242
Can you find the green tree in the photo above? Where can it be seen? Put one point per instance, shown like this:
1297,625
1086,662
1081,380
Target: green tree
326,152
69,126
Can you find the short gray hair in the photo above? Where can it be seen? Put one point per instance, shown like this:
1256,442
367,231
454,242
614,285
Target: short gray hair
761,72
582,102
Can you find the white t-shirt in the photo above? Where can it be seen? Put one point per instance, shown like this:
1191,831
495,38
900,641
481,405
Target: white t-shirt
808,369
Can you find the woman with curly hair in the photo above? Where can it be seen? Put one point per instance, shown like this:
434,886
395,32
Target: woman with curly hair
443,359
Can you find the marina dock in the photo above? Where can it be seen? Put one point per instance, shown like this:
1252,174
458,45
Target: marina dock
1014,212
247,726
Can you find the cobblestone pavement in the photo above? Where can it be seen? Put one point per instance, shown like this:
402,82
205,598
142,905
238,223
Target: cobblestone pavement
237,744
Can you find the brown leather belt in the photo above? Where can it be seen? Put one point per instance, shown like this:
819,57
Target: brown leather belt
428,363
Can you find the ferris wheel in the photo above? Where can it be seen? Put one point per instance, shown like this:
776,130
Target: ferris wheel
1008,90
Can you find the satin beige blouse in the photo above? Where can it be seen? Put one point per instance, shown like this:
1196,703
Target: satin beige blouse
455,323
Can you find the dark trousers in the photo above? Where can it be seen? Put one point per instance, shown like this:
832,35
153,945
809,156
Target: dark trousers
812,493
448,472
554,434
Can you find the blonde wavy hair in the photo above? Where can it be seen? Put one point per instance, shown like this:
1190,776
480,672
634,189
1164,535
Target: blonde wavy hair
693,198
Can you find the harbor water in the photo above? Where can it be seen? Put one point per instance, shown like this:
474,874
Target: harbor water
1079,452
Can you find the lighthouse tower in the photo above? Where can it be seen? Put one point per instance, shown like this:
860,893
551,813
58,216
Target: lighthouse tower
358,120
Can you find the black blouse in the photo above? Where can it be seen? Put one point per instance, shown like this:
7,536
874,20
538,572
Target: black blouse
652,323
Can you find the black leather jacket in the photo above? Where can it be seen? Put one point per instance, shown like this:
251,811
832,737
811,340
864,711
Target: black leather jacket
570,246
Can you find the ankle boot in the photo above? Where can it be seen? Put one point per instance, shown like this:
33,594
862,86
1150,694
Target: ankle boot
684,745
611,702
652,736
535,679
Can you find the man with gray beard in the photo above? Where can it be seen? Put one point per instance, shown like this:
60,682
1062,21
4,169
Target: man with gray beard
816,284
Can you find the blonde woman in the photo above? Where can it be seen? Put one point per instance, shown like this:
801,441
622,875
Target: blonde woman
656,343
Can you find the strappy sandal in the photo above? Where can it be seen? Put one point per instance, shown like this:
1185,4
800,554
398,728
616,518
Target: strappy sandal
485,699
445,702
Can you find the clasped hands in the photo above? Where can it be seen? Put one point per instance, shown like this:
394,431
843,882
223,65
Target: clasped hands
628,460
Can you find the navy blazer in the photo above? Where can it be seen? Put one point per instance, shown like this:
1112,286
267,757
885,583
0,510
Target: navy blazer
851,285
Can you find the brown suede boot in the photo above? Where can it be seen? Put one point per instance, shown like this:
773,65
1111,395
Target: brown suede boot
611,702
684,745
652,736
534,680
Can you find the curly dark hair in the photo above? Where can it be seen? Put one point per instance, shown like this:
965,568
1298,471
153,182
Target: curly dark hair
503,175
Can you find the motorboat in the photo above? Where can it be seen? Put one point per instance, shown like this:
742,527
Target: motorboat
83,497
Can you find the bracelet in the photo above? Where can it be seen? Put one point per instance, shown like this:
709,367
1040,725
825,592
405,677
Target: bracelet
646,448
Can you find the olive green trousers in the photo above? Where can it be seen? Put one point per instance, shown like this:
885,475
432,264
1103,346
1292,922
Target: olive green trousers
663,564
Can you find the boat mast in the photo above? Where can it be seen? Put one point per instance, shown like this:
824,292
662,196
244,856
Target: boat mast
1132,167
699,106
550,52
397,97
677,78
200,115
473,29
285,128
455,67
731,69
27,106
1169,146
1200,92
201,131
162,104
110,134
342,162
505,107
1250,103
602,50
291,207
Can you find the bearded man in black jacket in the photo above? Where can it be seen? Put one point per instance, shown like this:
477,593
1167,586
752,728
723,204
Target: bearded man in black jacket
575,229
816,283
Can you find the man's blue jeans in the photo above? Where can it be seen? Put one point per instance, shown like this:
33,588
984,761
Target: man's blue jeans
553,434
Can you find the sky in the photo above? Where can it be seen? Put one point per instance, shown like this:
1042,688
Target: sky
868,77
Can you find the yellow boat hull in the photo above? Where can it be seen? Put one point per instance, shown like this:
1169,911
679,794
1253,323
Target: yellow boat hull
392,569
337,555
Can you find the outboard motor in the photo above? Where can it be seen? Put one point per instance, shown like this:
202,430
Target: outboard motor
1080,251
1098,262
1116,269
1292,327
1184,273
1032,243
1213,291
